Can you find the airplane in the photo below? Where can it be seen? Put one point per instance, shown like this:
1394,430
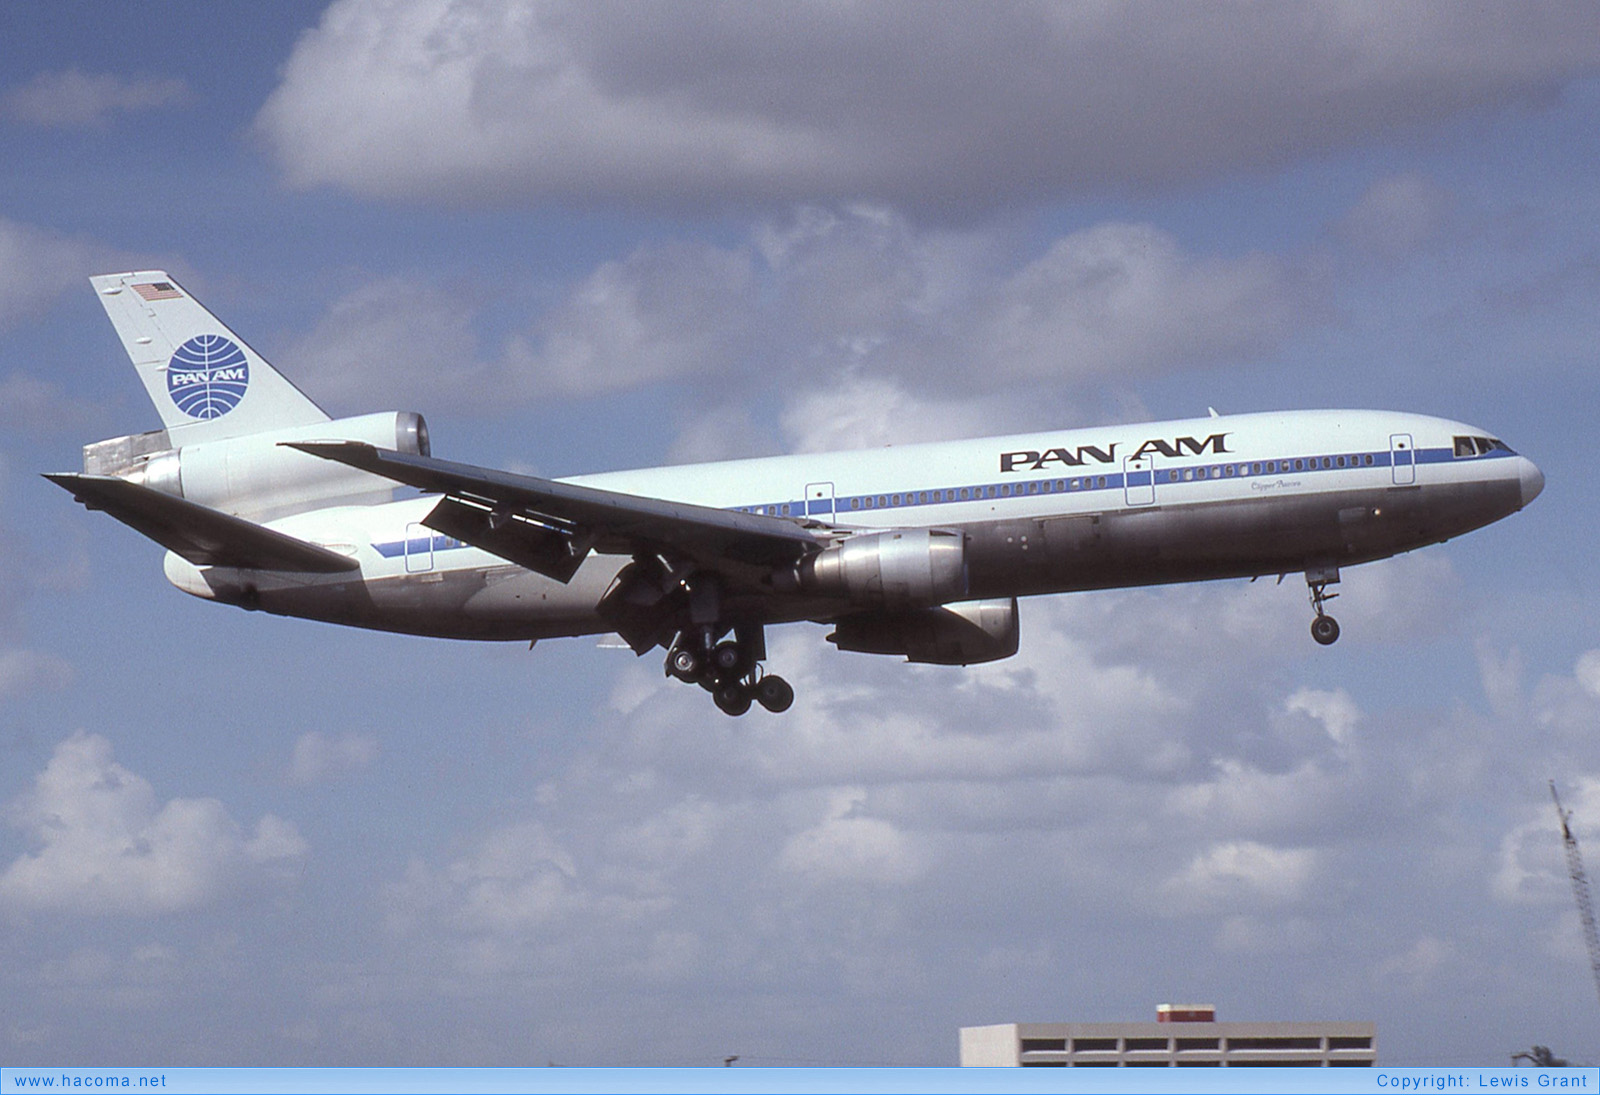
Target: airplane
921,551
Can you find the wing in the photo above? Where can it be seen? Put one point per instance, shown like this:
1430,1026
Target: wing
551,527
202,535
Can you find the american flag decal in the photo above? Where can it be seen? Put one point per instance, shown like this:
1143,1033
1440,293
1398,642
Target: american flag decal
158,290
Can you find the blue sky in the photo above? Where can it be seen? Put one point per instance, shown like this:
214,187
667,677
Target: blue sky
603,236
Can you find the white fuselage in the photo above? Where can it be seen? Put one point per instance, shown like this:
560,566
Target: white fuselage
1235,495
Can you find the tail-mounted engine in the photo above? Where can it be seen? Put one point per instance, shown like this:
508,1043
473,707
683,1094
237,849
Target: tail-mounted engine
965,633
255,475
901,568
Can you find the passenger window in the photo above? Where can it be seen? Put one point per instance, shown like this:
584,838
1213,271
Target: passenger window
855,503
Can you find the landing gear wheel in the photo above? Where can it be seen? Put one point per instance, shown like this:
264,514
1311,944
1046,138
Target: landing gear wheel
727,657
774,693
732,699
684,663
1325,629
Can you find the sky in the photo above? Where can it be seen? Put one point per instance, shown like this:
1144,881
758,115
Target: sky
592,236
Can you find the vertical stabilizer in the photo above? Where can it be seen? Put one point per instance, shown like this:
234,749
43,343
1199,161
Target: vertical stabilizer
206,383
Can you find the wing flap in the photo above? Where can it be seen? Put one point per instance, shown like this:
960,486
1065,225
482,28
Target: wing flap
556,524
552,551
202,535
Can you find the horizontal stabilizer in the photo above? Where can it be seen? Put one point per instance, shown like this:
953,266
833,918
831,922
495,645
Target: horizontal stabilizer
200,534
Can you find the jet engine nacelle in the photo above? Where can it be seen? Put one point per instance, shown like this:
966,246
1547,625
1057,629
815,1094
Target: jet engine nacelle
901,568
964,633
256,476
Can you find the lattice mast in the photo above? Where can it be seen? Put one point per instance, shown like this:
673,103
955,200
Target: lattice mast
1580,887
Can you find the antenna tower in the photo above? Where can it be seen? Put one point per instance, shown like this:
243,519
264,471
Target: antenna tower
1580,887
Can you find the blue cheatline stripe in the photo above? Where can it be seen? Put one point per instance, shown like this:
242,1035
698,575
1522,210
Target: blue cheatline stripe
846,505
849,505
393,549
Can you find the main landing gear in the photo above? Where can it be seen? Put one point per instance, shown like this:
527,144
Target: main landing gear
730,670
1324,628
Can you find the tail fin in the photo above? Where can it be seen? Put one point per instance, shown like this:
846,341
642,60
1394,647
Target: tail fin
205,382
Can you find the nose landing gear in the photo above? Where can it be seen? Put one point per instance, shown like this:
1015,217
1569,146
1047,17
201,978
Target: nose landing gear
1324,628
730,670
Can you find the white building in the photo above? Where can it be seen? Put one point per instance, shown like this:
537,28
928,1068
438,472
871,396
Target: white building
1183,1035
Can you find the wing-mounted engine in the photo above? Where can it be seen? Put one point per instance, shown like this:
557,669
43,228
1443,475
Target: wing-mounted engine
900,568
965,633
257,475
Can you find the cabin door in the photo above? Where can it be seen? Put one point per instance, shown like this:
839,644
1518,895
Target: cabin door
1404,459
1139,479
819,501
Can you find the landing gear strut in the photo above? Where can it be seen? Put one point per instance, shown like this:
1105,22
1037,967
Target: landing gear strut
730,669
1324,628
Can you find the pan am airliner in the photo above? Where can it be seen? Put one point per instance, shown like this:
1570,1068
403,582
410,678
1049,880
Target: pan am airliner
920,550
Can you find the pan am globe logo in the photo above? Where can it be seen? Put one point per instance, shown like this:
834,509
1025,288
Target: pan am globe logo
208,376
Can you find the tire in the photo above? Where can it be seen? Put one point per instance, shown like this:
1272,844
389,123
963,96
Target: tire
732,699
683,663
775,694
727,657
1325,629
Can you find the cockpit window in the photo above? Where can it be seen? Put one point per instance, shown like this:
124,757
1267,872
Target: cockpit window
1479,446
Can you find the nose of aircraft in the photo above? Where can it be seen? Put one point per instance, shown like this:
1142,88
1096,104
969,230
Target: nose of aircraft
1532,480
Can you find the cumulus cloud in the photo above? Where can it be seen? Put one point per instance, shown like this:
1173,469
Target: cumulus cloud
1397,215
1335,710
318,758
866,412
77,99
1244,871
106,845
667,312
37,266
517,102
850,846
1588,672
24,671
38,406
395,339
1124,299
859,326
